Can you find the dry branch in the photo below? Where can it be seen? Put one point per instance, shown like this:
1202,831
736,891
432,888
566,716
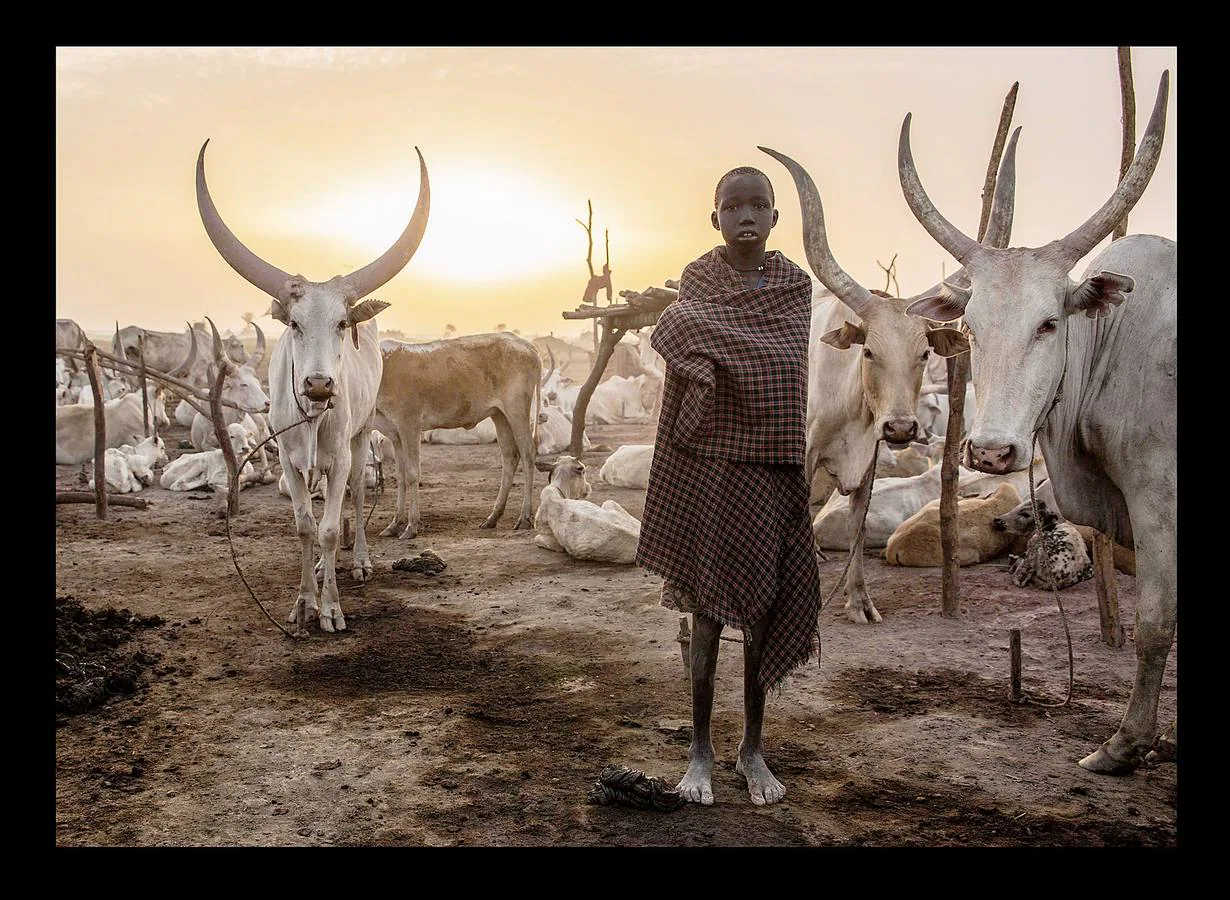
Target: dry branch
89,497
1128,94
958,374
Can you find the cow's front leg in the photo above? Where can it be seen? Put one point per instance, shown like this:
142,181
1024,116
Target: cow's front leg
1156,621
361,568
329,535
859,608
305,526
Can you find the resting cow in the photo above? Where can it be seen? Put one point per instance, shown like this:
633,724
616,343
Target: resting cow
916,542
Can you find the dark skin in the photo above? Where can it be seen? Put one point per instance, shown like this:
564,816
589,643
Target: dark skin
744,216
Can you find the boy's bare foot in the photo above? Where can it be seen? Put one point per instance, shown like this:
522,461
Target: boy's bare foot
696,785
761,785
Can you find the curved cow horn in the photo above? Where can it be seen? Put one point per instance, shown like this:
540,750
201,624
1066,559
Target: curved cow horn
184,369
550,353
269,279
393,260
220,355
815,240
947,235
117,345
1133,184
255,359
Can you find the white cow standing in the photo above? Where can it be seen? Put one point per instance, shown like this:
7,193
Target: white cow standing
1087,368
324,375
856,398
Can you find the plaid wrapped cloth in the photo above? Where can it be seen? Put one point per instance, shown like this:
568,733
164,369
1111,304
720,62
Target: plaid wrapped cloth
726,519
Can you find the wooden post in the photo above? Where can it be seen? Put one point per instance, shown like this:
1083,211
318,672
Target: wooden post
1128,94
141,384
100,432
1014,654
610,337
347,542
224,442
685,647
958,374
1108,594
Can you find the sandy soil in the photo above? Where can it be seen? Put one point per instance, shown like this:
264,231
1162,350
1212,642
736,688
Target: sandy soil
477,706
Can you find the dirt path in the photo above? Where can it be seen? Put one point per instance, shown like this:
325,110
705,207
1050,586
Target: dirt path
477,706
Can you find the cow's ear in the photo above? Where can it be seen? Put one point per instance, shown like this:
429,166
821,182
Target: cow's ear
280,311
947,341
1097,294
843,337
946,304
361,312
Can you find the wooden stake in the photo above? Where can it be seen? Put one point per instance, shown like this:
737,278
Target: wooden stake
224,442
685,647
100,432
347,543
1128,93
1014,654
90,497
1108,594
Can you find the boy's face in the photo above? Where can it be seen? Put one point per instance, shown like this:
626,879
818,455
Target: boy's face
745,213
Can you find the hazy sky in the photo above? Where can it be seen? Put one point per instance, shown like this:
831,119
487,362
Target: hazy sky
311,163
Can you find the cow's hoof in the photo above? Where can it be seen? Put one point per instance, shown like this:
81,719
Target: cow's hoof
1103,762
390,530
861,614
523,523
489,523
362,571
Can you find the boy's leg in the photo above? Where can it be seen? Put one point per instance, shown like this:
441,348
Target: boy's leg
761,785
696,786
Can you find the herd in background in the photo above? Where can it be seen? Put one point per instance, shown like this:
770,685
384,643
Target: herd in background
875,426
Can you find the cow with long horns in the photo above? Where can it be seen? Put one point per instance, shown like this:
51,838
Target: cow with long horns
1097,391
855,400
161,349
323,378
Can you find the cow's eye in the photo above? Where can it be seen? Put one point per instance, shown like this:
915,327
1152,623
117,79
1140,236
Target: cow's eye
1048,327
294,326
341,325
926,354
867,354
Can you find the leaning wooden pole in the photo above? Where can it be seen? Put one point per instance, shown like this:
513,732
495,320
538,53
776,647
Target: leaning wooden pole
1128,94
958,374
610,337
145,416
224,442
100,433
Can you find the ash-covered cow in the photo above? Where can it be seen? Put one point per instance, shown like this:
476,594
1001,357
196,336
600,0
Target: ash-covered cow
1088,369
628,466
324,375
857,398
566,522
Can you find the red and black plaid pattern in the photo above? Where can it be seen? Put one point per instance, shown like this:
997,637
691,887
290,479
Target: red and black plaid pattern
736,376
726,514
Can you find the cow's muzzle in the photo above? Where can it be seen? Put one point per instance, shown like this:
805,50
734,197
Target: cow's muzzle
993,457
900,431
318,388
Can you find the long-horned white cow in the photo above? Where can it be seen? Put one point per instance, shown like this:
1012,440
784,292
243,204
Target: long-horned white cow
456,383
856,399
164,348
126,420
323,378
1097,391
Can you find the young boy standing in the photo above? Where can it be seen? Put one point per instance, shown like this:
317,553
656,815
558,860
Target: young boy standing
726,519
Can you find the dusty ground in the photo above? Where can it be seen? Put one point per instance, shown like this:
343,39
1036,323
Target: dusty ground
477,706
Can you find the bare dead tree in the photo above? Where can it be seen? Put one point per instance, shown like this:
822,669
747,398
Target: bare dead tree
890,276
958,374
596,282
1128,94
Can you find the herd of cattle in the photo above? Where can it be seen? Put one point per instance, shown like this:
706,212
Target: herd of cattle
1072,394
